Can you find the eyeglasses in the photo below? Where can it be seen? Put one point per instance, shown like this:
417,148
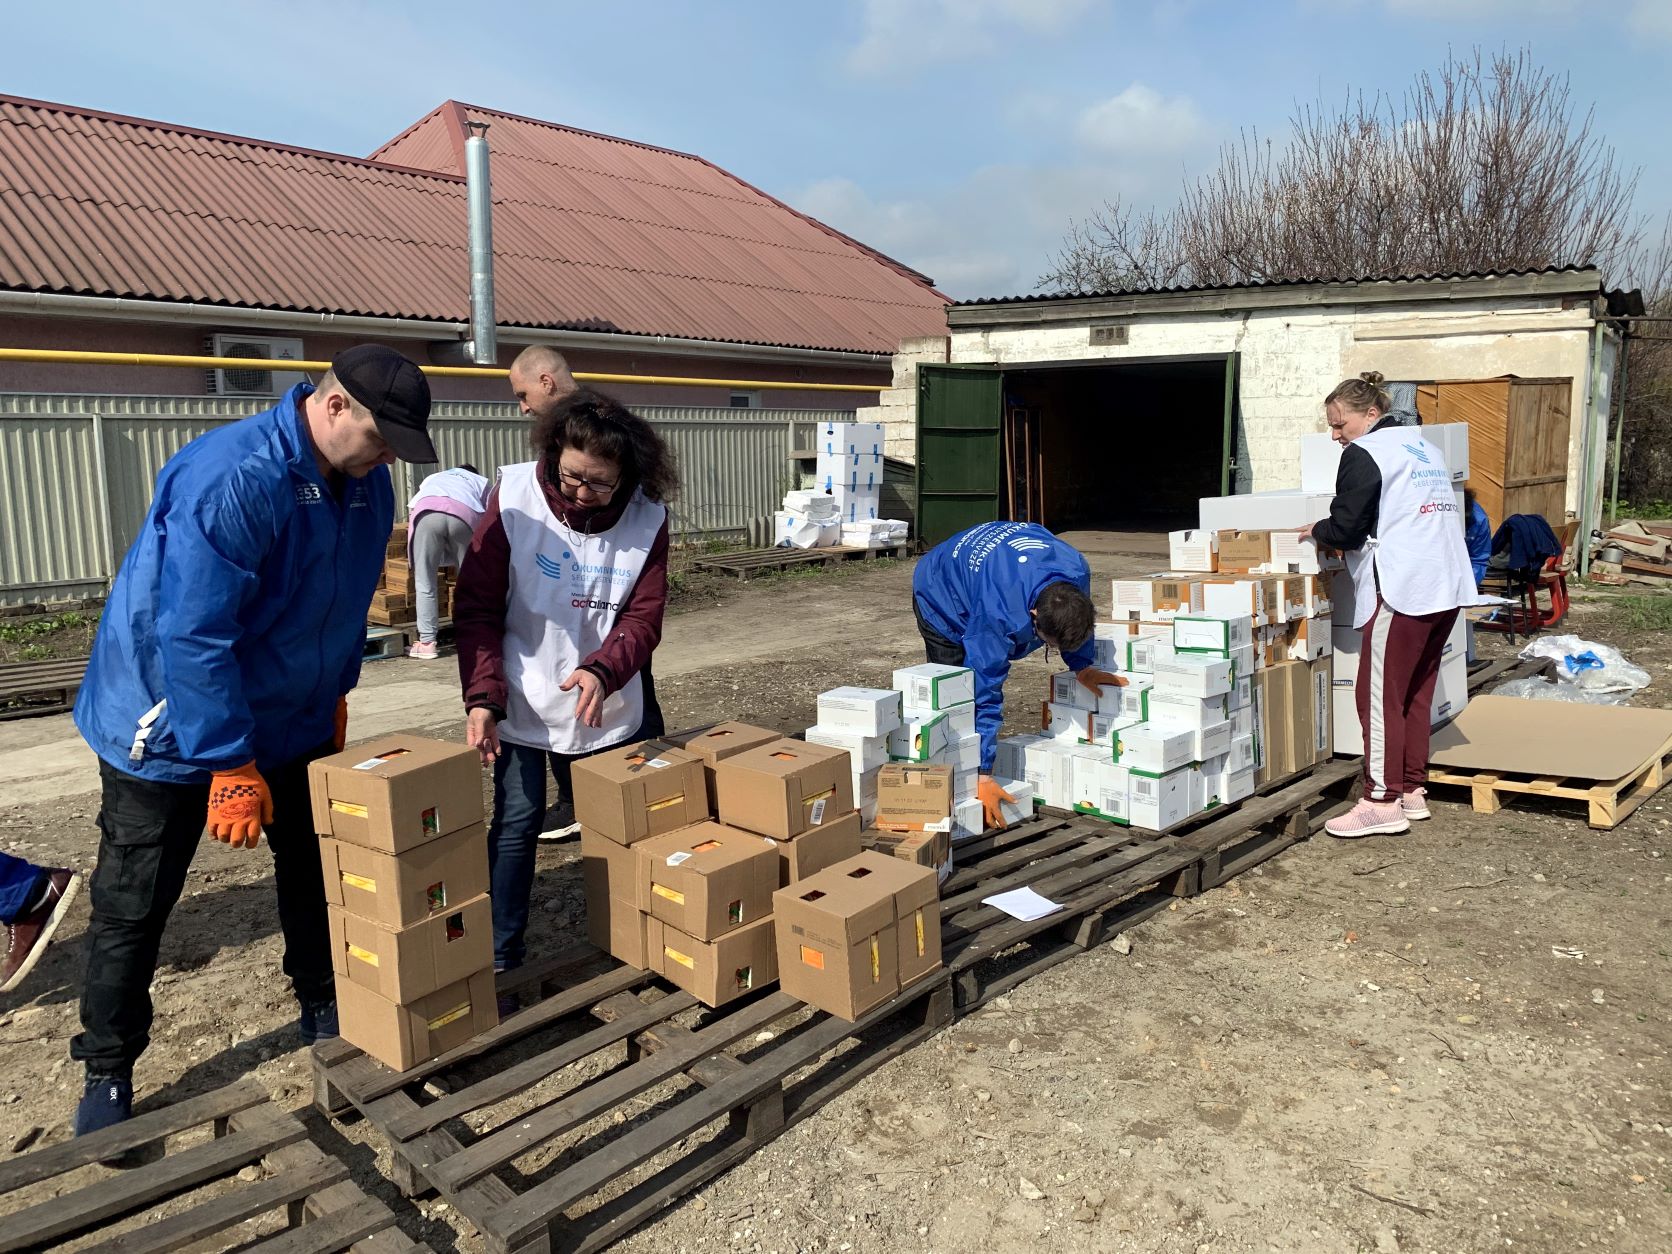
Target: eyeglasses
575,483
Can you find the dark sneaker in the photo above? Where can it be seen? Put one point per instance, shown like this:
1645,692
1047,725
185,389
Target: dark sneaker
560,822
105,1102
28,937
318,1022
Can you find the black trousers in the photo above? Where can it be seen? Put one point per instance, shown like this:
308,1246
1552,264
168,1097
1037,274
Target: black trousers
149,832
936,647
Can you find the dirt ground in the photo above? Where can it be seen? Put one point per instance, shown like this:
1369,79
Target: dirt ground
1451,1041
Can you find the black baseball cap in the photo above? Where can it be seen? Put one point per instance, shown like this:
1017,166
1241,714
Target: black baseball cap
395,391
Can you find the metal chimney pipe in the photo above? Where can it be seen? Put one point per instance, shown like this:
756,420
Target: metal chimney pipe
484,345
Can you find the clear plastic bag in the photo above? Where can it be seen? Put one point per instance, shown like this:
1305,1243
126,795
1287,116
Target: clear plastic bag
1590,672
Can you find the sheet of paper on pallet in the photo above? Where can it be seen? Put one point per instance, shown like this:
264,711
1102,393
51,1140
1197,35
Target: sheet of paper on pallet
1022,903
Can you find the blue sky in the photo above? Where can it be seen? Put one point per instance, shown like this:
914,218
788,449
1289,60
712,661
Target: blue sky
960,136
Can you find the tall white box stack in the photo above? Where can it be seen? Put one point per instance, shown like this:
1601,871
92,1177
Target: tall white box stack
849,466
859,720
938,725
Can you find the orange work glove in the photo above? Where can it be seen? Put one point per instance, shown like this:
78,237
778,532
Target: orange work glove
1094,680
340,738
239,803
990,794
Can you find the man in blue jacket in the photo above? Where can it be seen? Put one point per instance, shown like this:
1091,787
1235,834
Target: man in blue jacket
996,593
233,632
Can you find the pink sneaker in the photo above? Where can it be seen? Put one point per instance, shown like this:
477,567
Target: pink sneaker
1370,818
1415,805
424,650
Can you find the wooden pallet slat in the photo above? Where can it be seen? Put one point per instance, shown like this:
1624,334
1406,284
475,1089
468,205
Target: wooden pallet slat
329,1233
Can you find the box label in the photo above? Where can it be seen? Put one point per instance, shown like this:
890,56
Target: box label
658,763
452,1016
674,859
817,817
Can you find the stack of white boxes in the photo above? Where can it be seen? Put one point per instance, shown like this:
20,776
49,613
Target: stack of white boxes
807,521
850,468
939,727
862,721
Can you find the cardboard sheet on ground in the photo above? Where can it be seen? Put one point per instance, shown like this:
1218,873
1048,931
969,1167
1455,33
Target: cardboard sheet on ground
1601,742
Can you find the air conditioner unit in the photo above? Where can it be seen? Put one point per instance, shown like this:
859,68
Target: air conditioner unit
256,381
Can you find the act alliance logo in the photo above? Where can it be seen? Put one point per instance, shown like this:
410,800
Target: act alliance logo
1437,507
588,603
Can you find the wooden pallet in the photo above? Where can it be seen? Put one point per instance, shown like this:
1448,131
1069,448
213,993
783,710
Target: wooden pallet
325,1212
526,1143
48,687
1608,803
747,564
383,643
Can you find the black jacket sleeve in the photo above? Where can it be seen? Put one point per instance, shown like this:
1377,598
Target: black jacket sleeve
1358,499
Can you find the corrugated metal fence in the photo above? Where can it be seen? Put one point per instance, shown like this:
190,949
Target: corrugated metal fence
76,472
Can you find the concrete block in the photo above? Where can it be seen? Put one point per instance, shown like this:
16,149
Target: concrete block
896,398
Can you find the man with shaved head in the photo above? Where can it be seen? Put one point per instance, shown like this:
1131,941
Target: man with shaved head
540,379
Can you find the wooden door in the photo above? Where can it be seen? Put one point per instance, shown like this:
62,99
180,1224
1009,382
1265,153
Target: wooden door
1536,453
1485,407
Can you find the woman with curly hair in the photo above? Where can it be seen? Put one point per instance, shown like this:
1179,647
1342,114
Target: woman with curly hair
557,611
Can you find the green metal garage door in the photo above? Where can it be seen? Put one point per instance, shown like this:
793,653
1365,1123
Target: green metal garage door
960,421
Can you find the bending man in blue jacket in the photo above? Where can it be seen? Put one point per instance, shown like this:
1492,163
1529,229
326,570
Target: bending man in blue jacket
994,594
232,634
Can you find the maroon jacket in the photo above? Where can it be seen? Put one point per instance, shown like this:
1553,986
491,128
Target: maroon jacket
485,582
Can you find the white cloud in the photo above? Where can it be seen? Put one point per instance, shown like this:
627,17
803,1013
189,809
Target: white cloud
1651,17
1140,120
899,34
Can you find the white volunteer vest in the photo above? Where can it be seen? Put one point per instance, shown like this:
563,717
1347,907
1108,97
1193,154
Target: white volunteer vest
566,591
1417,556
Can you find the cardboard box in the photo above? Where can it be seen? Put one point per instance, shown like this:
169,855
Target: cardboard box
919,738
1048,767
1193,550
1241,755
1066,689
963,755
1219,635
818,847
1100,786
609,869
715,744
396,792
1157,801
1153,749
866,753
401,1037
1451,690
400,890
916,896
1192,675
1188,713
630,792
929,687
1211,741
865,711
714,971
837,940
1295,553
707,879
618,928
1010,756
1158,596
407,963
960,722
1315,591
914,798
925,849
1081,727
1109,646
784,787
1307,640
1282,510
969,816
1243,551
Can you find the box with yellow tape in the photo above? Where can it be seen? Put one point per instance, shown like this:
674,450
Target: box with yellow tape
398,890
628,793
404,964
714,972
707,879
396,793
785,787
838,939
400,1036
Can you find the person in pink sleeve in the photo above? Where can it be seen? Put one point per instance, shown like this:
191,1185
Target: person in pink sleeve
441,518
557,611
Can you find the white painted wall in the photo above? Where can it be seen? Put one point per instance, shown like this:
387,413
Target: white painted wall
1292,357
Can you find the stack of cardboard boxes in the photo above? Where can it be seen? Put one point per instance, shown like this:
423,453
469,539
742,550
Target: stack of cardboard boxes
405,859
849,466
395,601
669,888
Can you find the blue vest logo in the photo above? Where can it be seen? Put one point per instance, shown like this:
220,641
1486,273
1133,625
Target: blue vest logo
549,568
1417,451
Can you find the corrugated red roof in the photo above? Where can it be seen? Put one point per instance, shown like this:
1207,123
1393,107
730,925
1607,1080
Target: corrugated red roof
590,232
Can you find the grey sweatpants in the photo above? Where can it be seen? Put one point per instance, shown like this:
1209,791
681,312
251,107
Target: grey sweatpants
439,540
